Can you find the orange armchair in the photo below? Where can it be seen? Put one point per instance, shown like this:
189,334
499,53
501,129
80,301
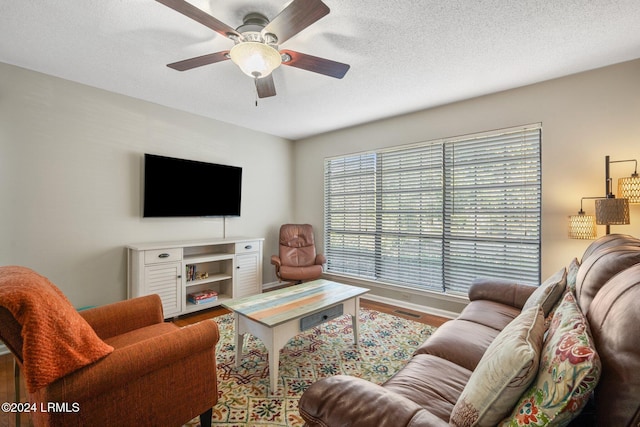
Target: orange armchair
118,364
297,259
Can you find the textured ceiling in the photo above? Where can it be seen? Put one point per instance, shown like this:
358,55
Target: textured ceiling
404,55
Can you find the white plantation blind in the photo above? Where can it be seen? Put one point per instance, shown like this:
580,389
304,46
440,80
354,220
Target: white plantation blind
409,209
492,209
437,215
350,215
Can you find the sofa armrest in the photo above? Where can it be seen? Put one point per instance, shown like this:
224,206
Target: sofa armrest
343,400
500,290
124,316
275,260
137,360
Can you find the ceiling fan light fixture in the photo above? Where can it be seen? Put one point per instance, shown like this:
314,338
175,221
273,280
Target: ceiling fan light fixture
255,59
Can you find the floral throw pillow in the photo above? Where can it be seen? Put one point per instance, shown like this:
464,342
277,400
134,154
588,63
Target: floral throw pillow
569,371
572,272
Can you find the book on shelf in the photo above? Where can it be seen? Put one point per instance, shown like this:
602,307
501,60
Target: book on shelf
203,297
203,301
191,272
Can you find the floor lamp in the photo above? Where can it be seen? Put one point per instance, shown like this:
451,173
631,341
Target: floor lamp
609,209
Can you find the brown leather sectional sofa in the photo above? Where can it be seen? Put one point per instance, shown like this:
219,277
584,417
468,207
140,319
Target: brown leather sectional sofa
425,392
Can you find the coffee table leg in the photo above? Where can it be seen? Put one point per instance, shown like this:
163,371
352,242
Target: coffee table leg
274,364
355,320
275,339
239,339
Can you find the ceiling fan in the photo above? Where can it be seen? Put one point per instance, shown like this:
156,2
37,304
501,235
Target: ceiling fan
256,41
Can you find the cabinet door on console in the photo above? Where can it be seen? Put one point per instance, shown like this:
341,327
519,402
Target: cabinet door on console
165,280
247,278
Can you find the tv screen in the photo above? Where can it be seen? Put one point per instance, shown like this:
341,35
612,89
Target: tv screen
181,188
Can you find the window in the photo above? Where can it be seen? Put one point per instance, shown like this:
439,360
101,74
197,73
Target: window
436,215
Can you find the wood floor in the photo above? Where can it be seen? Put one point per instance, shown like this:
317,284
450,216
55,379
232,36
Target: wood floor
6,361
403,312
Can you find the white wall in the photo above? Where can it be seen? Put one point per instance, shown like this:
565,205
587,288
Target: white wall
584,118
70,180
70,167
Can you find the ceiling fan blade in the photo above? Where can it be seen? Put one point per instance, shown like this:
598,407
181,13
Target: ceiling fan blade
295,18
315,64
199,61
265,87
190,11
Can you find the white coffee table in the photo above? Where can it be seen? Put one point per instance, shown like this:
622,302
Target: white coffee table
277,316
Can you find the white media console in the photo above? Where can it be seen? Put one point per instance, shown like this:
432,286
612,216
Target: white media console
231,267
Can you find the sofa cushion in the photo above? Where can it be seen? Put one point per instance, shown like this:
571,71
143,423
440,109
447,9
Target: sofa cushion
507,368
569,371
459,341
609,241
489,313
300,273
433,383
614,320
549,292
601,266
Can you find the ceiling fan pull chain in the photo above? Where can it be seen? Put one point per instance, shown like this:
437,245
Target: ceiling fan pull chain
256,86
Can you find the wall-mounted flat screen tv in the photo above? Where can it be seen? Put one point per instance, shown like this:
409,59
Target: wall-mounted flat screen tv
183,188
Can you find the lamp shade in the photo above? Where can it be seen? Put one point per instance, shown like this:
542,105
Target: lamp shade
629,188
582,226
255,59
612,211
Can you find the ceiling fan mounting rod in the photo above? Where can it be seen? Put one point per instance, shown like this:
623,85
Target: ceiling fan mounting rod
255,22
254,18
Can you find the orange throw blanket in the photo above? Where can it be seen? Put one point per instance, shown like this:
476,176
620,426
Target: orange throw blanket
56,339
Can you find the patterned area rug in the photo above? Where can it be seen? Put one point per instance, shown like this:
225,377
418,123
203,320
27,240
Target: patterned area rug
386,343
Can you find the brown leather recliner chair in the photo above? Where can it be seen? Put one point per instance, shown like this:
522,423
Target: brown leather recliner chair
117,364
297,260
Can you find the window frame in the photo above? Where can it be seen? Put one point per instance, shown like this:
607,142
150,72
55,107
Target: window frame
359,189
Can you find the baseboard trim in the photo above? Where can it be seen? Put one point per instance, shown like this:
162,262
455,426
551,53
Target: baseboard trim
268,286
424,301
274,285
410,306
